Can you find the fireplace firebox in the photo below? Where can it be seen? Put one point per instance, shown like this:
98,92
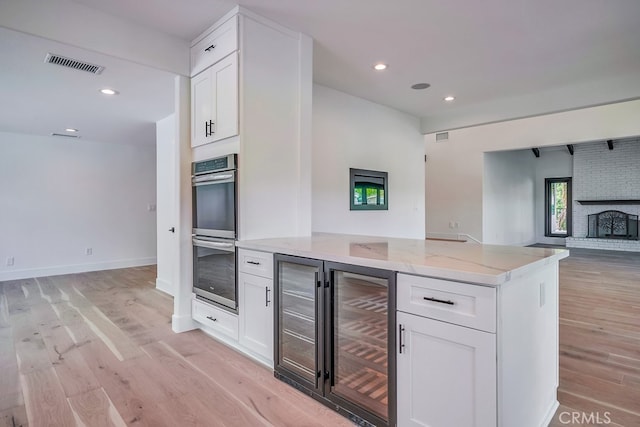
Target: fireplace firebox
613,225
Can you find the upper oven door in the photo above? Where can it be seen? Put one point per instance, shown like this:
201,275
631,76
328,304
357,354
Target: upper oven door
214,204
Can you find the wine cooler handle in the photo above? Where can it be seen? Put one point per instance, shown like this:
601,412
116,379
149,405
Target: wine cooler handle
400,334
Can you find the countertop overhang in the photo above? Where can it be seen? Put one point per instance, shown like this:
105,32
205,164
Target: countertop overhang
489,265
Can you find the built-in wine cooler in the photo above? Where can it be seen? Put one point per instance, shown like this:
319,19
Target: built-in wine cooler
335,336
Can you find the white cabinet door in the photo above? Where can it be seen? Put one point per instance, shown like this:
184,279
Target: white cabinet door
202,93
224,75
446,374
255,305
214,102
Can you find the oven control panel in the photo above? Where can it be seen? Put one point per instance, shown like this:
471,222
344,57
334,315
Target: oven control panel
214,165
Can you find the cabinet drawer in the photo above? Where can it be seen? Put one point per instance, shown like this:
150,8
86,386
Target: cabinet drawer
215,46
256,263
215,318
463,304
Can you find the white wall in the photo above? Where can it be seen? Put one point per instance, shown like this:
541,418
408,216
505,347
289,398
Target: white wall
599,174
60,196
551,164
455,167
166,180
349,132
508,198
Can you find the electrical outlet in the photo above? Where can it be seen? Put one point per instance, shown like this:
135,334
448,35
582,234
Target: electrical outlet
10,261
88,251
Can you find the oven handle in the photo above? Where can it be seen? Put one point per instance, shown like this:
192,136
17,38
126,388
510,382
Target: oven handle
220,178
229,247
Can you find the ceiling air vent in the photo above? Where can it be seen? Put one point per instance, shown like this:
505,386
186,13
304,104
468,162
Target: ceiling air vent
442,136
64,135
52,58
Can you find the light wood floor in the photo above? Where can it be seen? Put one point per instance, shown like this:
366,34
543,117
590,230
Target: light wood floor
600,338
97,349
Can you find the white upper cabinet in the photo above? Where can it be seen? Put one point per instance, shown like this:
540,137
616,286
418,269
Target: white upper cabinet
214,46
214,102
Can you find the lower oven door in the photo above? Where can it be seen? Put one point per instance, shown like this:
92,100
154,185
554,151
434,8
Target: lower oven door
214,271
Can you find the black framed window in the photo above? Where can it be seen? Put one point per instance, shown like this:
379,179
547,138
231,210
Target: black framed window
368,190
557,197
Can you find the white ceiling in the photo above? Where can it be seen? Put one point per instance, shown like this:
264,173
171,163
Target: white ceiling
41,99
502,59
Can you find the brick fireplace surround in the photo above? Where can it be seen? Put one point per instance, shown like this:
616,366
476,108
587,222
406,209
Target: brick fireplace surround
603,174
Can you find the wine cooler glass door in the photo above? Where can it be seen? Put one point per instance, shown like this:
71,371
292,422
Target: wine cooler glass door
298,332
361,363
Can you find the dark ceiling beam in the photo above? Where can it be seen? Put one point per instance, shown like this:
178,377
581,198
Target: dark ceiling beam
570,148
536,152
610,144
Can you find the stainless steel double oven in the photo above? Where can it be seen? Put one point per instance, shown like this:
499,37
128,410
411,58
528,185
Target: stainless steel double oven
214,230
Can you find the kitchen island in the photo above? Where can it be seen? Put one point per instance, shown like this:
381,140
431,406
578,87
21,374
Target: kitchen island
474,327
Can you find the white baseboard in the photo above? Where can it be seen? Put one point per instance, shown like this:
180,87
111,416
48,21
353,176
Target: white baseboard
76,268
182,323
164,286
550,413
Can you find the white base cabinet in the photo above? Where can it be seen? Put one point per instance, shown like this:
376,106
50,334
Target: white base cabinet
256,318
218,321
446,374
255,303
478,356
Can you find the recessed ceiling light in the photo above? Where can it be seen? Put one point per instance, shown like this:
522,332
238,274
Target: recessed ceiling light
109,91
449,98
71,130
419,86
380,67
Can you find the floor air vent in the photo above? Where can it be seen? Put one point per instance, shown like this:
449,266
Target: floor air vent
52,58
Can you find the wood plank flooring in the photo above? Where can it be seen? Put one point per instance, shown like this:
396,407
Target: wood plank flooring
599,339
96,349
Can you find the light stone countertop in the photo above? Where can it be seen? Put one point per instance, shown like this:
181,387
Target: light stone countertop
489,265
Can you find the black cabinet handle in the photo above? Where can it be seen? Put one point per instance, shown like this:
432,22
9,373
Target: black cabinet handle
253,262
266,296
206,129
400,334
172,229
212,319
210,48
441,301
211,124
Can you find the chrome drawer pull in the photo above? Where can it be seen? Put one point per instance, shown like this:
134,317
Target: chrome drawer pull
212,319
441,301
